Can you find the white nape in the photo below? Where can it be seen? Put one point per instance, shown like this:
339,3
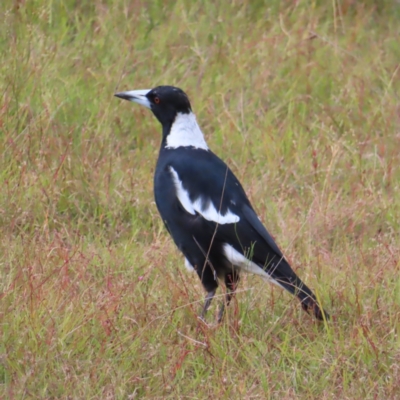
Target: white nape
185,132
240,261
189,266
210,213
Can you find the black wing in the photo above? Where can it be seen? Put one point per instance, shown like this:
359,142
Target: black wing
211,190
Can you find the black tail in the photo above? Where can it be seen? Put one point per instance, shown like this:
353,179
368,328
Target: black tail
310,304
286,277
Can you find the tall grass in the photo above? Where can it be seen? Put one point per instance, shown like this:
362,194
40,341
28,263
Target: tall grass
300,98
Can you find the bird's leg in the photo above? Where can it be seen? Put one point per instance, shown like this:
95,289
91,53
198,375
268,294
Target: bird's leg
210,295
231,281
228,298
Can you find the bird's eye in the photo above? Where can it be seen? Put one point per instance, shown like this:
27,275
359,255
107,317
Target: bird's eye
156,100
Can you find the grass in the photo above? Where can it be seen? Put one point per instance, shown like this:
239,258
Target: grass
300,98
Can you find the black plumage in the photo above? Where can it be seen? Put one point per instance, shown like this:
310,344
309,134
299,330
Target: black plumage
205,208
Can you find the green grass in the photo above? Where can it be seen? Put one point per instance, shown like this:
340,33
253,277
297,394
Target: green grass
300,98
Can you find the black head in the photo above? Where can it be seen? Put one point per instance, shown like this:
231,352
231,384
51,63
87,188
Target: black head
165,102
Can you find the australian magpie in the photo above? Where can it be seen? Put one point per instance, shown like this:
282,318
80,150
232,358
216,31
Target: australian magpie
206,210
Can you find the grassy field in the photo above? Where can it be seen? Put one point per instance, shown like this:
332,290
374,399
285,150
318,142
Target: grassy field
301,98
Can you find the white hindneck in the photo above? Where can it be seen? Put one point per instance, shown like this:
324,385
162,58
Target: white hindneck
185,132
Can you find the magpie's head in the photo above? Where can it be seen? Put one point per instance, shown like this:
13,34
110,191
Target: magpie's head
165,102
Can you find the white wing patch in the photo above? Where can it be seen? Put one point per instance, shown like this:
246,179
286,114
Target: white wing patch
211,214
186,132
182,194
188,266
240,261
206,209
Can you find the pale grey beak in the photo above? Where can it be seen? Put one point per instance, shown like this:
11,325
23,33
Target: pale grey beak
137,96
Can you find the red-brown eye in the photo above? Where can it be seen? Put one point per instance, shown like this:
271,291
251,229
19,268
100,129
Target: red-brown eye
156,100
